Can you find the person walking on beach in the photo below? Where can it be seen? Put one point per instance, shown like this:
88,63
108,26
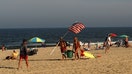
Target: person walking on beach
62,45
108,43
76,46
23,53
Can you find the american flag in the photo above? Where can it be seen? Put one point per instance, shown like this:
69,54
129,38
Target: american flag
77,27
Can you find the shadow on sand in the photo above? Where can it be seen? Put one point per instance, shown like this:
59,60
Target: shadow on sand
56,59
7,67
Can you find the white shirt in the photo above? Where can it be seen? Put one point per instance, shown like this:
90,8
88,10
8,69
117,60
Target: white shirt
109,40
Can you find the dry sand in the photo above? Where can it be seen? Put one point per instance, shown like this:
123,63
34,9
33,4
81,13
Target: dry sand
118,61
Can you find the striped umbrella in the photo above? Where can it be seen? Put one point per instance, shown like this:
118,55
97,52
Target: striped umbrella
113,34
124,36
36,39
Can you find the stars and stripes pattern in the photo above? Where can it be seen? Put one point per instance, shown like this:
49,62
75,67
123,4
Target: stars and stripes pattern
77,27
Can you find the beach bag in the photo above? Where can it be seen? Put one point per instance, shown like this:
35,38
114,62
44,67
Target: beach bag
69,53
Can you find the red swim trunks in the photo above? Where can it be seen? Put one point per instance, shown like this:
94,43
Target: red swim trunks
24,57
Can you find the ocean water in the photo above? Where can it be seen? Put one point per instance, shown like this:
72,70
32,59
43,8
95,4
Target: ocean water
14,37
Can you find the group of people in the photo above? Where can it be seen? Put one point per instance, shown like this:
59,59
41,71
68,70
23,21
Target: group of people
63,48
24,52
122,42
108,43
76,47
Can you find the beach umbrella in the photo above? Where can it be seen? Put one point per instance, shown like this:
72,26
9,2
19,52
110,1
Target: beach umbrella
123,36
36,40
113,34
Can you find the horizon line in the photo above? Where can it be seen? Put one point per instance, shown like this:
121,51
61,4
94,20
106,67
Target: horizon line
59,27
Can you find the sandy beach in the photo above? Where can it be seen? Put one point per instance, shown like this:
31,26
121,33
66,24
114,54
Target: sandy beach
117,61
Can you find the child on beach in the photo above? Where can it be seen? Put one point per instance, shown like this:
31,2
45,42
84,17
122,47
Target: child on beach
62,45
23,53
76,46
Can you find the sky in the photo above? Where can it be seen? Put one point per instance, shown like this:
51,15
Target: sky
63,13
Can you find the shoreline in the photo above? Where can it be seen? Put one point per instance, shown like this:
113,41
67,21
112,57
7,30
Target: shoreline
52,45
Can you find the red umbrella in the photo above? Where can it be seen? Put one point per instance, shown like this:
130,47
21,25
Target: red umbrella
113,34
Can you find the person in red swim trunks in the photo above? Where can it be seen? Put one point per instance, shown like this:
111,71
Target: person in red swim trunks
23,53
62,45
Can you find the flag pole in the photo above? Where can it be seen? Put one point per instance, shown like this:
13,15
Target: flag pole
65,34
58,43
